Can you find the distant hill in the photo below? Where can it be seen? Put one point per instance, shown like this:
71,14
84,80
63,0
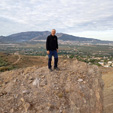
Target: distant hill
10,61
42,35
1,37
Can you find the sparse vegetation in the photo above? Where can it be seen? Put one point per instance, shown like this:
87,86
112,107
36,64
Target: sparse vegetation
92,54
3,62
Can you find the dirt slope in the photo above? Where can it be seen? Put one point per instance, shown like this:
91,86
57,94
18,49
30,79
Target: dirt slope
108,91
76,88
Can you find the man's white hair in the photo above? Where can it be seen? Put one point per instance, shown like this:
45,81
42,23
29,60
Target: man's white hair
54,29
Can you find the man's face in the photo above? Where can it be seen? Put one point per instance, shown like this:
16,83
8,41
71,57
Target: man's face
53,32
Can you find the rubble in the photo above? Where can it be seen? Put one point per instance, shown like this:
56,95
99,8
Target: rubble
76,88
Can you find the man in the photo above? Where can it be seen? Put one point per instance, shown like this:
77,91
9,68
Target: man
52,49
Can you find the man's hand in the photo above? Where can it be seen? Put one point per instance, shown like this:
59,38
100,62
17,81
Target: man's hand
48,52
57,50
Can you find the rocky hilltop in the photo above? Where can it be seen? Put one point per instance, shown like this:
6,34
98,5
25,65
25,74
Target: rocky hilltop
76,88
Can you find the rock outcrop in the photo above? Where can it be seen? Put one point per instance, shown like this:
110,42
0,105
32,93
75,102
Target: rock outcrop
76,88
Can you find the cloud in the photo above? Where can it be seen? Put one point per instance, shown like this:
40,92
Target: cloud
63,15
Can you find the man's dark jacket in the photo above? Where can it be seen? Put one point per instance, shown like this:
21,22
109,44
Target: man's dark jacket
52,42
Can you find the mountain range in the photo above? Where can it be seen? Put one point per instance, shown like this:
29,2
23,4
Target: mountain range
31,36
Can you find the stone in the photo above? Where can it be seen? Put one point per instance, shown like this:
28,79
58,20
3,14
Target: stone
80,80
36,82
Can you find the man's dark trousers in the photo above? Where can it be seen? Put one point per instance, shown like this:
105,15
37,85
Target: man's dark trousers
55,54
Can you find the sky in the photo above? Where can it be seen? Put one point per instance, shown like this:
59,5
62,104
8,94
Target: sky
86,18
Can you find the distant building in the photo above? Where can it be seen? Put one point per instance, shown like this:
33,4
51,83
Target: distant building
16,53
106,66
110,62
101,63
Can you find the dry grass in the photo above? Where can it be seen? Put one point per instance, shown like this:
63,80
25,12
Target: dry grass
24,61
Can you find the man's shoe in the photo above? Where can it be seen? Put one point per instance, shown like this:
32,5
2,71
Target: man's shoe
56,68
50,69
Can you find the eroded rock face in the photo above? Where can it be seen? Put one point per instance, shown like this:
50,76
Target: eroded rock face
76,88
